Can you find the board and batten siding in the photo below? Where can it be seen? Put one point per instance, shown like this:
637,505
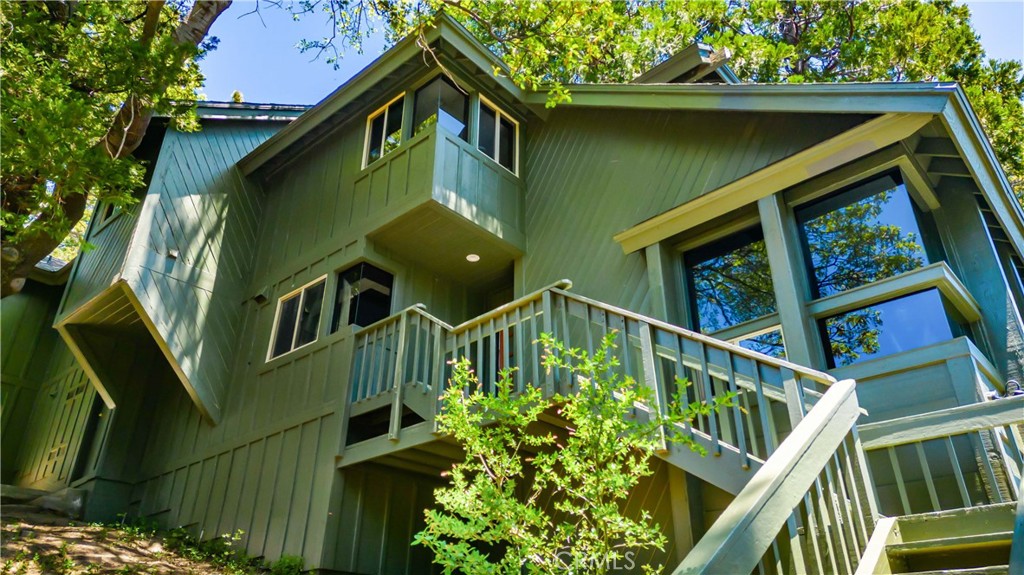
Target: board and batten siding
95,269
591,174
26,342
191,256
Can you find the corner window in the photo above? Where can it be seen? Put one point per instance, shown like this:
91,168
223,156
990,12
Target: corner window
298,318
383,131
864,234
889,327
441,102
730,283
363,296
498,136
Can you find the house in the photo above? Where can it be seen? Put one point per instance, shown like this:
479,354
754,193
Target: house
259,343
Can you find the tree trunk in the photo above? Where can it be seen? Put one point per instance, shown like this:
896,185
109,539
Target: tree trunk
124,136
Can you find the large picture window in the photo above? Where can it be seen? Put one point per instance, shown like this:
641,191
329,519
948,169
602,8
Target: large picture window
861,235
498,136
298,318
889,327
383,131
441,103
730,283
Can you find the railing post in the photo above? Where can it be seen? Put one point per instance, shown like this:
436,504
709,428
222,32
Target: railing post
651,379
398,385
794,396
548,324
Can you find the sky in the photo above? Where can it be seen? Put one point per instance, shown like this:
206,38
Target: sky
258,53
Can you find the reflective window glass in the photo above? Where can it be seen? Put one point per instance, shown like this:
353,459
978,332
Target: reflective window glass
439,102
298,319
861,235
768,342
384,131
897,325
730,281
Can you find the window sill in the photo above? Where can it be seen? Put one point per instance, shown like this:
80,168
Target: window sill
937,275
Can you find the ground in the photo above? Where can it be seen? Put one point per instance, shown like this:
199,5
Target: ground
36,542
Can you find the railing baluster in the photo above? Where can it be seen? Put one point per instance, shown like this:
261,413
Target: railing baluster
851,479
989,472
549,376
399,383
361,382
764,409
926,470
835,506
957,472
535,345
520,372
492,356
681,374
589,325
899,480
651,380
416,375
705,377
740,434
811,531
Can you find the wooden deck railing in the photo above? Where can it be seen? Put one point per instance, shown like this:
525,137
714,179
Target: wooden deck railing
959,457
809,509
406,351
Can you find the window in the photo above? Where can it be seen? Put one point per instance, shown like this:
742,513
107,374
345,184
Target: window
298,318
861,235
363,296
383,130
498,136
440,102
730,283
889,327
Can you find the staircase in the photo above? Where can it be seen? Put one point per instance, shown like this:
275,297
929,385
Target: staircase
971,541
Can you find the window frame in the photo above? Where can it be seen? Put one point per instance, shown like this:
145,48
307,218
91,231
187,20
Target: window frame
345,309
718,231
499,113
301,290
369,123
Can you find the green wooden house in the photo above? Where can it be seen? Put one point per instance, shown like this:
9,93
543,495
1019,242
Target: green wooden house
260,342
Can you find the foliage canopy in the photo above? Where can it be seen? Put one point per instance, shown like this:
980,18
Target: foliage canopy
82,79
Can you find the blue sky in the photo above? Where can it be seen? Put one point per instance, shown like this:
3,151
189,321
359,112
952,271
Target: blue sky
258,55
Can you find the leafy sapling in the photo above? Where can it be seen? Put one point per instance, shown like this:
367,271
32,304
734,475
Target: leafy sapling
530,497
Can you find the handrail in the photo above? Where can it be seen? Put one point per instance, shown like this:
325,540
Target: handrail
811,478
505,308
812,374
942,423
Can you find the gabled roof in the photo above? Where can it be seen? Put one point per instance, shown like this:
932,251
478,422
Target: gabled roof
902,109
386,74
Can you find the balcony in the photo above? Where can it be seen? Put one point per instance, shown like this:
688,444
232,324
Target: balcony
436,199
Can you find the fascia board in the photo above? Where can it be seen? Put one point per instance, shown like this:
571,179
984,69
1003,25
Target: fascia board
965,129
854,143
869,98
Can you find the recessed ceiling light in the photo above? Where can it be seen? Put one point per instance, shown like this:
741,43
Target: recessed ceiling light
472,258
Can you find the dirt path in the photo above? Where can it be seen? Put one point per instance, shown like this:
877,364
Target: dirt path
36,542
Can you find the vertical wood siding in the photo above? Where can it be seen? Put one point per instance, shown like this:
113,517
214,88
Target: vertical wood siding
26,341
591,174
190,261
95,269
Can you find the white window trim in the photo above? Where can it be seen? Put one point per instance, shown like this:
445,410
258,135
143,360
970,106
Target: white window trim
277,318
499,114
369,121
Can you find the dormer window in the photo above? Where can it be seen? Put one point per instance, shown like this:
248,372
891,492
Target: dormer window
441,102
383,130
498,136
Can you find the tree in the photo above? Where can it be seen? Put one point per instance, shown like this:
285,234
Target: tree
83,79
494,518
81,82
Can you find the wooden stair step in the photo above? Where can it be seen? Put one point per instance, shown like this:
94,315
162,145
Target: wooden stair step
946,544
987,570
